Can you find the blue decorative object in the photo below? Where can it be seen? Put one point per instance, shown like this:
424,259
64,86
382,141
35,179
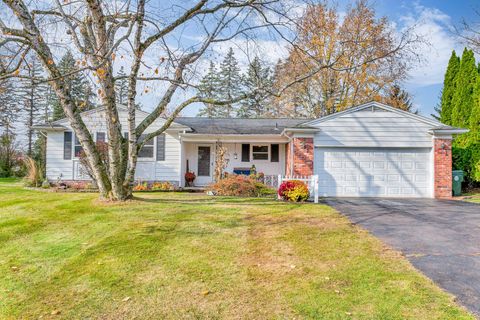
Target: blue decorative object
244,171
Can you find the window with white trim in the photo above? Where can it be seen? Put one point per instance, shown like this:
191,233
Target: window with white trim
147,150
77,147
101,137
260,152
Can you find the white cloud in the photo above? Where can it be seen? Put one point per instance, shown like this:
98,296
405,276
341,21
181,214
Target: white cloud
435,27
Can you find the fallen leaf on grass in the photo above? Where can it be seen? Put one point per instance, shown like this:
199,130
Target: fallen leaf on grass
126,299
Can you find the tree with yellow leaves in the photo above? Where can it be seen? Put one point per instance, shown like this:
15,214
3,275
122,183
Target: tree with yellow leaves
361,55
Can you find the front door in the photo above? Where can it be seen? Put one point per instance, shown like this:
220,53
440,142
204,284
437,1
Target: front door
204,165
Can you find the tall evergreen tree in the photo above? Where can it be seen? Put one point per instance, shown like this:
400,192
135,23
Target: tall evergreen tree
400,99
257,83
474,136
449,83
209,88
78,85
9,111
474,120
33,94
229,84
462,100
121,87
9,107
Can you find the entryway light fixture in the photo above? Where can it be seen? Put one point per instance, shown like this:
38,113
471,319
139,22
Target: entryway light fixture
235,156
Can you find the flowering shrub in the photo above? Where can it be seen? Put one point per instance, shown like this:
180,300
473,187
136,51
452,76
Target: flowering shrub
162,186
240,186
141,187
189,178
294,190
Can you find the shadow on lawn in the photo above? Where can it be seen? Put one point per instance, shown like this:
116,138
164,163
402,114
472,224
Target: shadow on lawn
211,200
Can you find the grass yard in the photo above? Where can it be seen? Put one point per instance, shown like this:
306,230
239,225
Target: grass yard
185,256
473,196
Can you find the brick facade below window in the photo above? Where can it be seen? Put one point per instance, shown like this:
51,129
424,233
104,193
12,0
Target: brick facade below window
442,168
302,157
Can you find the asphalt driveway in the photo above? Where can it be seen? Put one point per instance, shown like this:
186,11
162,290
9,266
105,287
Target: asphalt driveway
440,238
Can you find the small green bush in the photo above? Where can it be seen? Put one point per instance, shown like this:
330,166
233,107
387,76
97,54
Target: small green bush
468,159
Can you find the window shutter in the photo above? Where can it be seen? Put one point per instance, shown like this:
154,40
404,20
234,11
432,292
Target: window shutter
245,153
274,153
67,146
161,147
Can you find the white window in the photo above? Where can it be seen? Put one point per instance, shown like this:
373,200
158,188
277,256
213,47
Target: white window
260,152
77,147
147,150
101,137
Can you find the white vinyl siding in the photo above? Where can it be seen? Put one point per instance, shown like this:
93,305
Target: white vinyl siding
366,128
55,164
168,170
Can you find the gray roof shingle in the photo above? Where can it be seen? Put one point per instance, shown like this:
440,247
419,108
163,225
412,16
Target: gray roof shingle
238,126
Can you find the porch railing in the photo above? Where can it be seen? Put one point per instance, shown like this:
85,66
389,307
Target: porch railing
271,180
310,181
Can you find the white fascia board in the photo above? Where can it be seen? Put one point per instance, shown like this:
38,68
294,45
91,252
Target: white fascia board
234,138
49,128
442,132
300,130
372,146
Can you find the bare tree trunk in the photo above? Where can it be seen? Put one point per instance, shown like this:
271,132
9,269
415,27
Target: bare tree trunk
30,118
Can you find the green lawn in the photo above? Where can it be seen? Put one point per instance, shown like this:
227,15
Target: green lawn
185,256
473,196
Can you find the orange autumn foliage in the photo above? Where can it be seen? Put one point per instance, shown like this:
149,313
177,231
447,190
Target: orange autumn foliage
359,52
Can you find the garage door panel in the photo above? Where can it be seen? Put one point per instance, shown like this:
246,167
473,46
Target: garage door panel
373,172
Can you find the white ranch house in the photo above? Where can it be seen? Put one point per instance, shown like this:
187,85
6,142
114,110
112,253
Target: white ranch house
372,150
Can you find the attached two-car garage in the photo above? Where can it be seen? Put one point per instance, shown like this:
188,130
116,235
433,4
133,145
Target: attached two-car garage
376,151
373,172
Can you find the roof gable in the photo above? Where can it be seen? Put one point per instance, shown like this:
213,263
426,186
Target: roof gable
375,106
121,109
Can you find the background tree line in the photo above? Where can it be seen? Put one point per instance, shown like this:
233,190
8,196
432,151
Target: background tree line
25,102
460,107
321,36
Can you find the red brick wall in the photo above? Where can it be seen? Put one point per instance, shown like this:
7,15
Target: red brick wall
302,157
443,168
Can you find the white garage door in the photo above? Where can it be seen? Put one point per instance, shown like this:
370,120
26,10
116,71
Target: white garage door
373,172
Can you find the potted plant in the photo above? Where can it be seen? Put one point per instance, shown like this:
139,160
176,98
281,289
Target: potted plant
189,178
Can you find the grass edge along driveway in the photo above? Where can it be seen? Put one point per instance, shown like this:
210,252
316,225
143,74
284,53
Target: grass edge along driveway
182,256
